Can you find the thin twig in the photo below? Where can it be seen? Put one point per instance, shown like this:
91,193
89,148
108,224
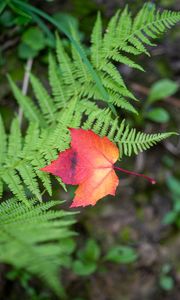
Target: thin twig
9,44
25,85
174,149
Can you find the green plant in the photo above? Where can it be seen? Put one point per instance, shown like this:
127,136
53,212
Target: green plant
85,88
166,281
35,238
121,254
73,88
87,259
33,41
159,91
24,278
173,217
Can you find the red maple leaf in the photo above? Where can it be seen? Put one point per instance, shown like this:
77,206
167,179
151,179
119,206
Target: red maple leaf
89,163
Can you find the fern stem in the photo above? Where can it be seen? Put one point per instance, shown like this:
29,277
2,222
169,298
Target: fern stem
25,85
152,181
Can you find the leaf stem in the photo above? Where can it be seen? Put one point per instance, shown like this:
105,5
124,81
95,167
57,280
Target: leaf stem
152,181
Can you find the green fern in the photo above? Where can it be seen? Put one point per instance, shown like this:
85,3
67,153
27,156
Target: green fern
36,239
69,77
126,35
30,110
71,105
128,139
131,35
58,88
33,237
2,150
44,100
41,145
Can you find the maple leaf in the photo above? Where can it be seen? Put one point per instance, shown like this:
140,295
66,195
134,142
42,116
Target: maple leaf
89,163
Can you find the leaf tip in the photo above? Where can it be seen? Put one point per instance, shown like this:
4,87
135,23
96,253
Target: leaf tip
45,169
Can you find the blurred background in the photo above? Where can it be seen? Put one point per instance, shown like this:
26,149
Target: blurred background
127,246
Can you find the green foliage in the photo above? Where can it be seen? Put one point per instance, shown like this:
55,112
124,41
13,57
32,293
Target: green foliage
124,39
37,15
159,91
128,139
166,281
84,88
99,79
125,34
2,6
162,89
24,279
158,114
22,170
121,254
173,217
34,38
25,52
41,145
34,238
87,259
70,104
32,42
31,112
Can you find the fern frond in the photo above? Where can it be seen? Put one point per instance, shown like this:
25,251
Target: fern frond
120,101
74,88
21,164
125,60
150,23
128,139
81,71
29,177
124,25
35,238
3,148
132,35
113,73
31,138
74,77
126,35
48,142
30,110
123,91
1,188
45,102
15,140
66,67
132,142
3,143
12,179
96,40
58,89
108,40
